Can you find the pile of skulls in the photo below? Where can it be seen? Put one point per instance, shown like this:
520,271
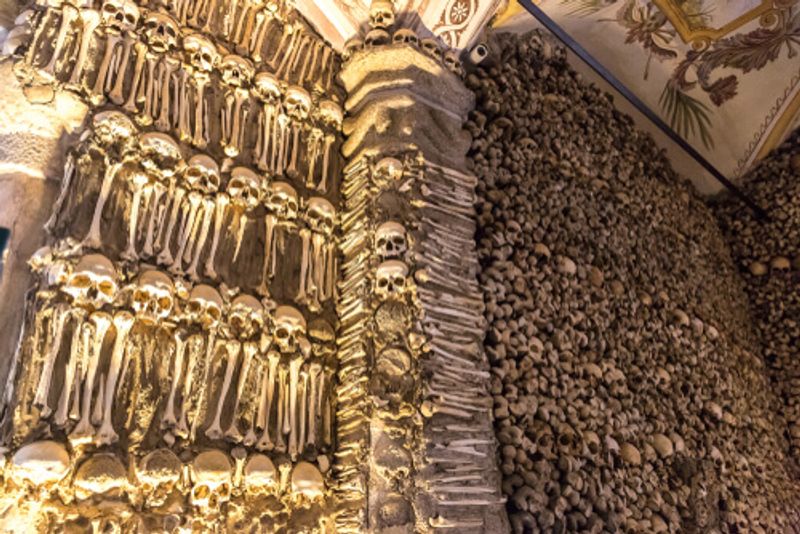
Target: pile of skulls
629,392
767,253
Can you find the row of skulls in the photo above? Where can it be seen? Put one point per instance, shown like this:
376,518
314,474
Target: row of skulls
212,477
95,283
382,21
162,159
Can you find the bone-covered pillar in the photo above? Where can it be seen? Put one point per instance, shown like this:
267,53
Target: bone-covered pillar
416,449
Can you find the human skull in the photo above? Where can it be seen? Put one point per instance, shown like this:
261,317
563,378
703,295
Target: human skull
405,36
119,15
244,188
453,62
320,215
160,155
202,174
246,317
308,486
260,476
200,52
297,102
377,37
431,47
381,14
390,279
236,70
39,465
212,480
389,169
353,45
390,241
158,473
153,297
204,306
101,475
161,32
267,87
282,200
331,114
290,328
115,132
93,282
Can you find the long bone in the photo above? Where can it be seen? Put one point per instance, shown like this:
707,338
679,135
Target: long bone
84,429
208,213
200,136
138,182
314,372
42,23
222,202
233,348
270,221
268,394
137,82
232,119
165,256
93,238
191,404
84,355
280,442
158,191
280,145
242,23
264,19
244,399
145,118
314,146
228,19
97,408
123,322
306,41
167,67
101,81
294,370
170,418
289,54
196,225
57,322
310,62
69,16
78,316
129,42
288,36
305,236
91,20
303,386
298,104
195,199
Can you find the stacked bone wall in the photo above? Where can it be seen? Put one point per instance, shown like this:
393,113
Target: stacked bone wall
767,255
177,358
629,388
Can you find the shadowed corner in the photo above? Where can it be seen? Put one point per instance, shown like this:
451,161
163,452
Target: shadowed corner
5,237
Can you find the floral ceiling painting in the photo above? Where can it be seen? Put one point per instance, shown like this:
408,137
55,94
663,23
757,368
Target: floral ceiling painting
725,75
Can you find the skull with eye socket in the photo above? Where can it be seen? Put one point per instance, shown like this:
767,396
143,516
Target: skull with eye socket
390,241
212,481
161,32
388,170
201,53
246,317
202,174
93,282
320,216
331,114
115,132
119,16
281,200
353,45
290,329
158,474
390,280
204,306
431,47
244,188
161,156
381,14
153,297
236,71
405,36
453,63
267,87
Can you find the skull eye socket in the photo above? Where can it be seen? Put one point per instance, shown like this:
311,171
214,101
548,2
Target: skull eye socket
130,18
201,492
81,281
282,333
106,288
108,8
165,303
383,283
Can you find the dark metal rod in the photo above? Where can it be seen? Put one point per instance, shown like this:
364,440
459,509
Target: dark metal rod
573,45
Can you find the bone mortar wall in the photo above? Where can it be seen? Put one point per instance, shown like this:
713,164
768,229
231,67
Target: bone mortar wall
417,448
629,387
767,254
178,354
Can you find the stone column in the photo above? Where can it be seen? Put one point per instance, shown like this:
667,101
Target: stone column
416,445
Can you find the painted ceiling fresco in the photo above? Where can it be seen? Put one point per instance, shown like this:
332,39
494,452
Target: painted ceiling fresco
724,74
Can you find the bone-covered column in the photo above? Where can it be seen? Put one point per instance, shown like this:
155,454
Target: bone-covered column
414,427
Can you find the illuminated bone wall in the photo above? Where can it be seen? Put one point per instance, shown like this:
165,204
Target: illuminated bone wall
178,358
